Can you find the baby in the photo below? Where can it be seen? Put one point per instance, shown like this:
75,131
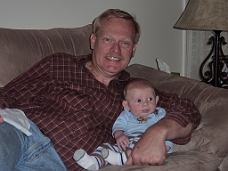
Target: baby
140,112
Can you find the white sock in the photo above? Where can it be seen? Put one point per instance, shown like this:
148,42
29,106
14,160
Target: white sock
86,161
114,158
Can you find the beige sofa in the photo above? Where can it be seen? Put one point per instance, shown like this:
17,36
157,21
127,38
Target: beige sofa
208,148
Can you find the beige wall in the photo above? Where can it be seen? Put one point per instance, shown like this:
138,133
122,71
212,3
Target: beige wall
157,17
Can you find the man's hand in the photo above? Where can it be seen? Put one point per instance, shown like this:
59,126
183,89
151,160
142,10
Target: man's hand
150,150
1,120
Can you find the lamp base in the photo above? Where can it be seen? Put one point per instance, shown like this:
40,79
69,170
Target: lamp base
217,71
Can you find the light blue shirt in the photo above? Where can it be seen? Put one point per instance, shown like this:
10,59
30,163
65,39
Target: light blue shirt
128,123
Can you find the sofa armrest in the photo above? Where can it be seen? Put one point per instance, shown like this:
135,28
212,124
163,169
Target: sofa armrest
211,135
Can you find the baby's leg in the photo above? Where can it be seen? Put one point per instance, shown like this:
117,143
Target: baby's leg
128,152
115,158
167,148
88,162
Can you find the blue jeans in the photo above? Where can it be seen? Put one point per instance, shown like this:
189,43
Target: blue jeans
19,152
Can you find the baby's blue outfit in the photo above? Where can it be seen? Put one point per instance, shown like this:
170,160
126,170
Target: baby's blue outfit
133,128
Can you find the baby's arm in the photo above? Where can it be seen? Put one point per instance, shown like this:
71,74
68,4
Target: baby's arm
121,139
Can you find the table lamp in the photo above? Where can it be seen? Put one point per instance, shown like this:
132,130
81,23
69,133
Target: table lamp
208,15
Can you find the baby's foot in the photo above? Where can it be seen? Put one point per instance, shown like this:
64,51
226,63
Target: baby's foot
86,161
114,158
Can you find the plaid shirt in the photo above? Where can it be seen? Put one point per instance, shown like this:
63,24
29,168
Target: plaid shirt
74,109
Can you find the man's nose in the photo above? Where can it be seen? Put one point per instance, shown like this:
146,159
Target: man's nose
116,47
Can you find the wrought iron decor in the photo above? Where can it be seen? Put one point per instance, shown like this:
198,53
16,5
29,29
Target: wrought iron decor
217,63
208,15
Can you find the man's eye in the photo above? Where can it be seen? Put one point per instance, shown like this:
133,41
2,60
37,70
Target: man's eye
138,100
125,43
108,40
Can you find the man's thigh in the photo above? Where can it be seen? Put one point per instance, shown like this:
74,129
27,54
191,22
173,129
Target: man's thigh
41,156
10,147
19,152
39,153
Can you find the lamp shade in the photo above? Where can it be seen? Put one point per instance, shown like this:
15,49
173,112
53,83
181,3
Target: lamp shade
204,15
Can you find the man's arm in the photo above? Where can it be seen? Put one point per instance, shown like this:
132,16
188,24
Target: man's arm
151,149
181,119
183,111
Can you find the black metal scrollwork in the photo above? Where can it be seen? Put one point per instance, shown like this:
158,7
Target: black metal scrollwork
217,63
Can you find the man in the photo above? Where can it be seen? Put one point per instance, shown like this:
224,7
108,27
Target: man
75,100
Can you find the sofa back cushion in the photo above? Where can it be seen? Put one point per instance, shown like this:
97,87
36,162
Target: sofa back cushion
20,48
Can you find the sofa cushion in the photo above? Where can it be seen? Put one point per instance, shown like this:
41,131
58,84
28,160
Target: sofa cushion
20,49
181,161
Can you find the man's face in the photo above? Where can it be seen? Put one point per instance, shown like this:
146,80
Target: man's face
113,46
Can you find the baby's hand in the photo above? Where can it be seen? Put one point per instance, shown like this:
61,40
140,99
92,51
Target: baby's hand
122,142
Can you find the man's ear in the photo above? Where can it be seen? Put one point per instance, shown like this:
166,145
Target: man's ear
156,99
125,105
92,41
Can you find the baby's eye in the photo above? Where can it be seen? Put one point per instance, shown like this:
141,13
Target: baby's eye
138,100
150,99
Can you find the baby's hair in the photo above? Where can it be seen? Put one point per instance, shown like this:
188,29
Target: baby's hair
138,83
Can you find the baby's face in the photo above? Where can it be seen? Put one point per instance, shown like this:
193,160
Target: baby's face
141,102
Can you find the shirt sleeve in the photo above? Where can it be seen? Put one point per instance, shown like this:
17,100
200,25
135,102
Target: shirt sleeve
121,122
3,100
182,111
20,87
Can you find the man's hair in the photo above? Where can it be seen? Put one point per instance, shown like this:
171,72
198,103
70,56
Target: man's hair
116,13
138,83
